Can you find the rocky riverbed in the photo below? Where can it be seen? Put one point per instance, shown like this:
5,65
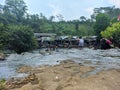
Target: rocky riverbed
65,69
68,75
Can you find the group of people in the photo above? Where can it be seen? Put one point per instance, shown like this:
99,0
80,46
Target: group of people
105,43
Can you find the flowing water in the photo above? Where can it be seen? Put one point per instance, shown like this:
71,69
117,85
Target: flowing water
101,59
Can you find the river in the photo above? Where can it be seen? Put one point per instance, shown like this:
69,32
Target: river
101,59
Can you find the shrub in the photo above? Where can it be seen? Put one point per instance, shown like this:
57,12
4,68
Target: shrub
21,39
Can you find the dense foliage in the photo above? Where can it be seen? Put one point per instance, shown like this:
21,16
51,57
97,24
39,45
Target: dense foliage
18,38
4,35
21,38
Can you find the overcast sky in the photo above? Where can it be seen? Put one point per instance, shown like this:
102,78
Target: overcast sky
70,9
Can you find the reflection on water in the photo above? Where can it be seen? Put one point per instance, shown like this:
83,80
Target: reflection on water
100,58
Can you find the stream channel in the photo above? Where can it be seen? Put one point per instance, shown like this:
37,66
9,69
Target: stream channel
101,59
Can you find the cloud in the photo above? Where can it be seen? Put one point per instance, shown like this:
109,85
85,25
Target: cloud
89,10
55,9
2,2
115,2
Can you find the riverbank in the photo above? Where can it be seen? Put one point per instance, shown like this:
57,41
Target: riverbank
68,75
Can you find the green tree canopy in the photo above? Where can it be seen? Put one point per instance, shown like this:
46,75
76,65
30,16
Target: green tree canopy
16,8
112,12
102,22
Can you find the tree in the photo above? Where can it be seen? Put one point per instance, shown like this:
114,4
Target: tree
76,23
1,8
21,38
4,36
83,31
60,17
16,8
3,19
102,22
82,19
51,18
35,22
112,12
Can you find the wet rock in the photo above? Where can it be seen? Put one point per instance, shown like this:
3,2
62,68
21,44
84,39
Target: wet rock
81,64
31,78
42,52
19,83
67,61
98,63
24,69
2,57
87,62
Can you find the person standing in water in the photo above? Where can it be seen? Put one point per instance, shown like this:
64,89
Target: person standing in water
81,43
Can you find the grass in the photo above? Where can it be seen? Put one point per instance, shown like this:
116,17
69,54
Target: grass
2,84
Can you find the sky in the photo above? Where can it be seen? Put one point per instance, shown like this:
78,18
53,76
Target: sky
69,9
